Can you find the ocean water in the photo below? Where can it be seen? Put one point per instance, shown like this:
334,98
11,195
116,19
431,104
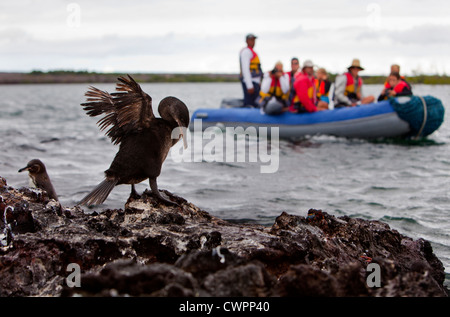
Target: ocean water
405,184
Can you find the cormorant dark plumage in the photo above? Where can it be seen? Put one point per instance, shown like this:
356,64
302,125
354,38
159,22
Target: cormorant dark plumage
144,139
38,174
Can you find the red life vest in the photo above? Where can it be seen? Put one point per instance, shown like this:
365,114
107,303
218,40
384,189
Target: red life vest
308,84
350,88
401,89
402,79
400,86
274,90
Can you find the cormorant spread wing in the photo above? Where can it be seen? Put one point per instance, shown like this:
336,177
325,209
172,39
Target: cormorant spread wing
128,109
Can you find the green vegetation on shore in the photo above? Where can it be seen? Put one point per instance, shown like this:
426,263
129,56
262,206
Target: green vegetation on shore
65,76
83,76
416,79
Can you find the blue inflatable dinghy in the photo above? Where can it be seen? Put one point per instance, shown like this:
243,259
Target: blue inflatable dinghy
398,117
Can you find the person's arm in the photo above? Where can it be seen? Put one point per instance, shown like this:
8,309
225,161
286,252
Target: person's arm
265,83
339,90
264,96
246,56
361,92
382,96
284,83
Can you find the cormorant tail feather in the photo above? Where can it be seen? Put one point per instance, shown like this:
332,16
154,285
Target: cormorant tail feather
100,193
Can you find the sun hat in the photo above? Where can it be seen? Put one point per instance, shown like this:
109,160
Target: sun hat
356,64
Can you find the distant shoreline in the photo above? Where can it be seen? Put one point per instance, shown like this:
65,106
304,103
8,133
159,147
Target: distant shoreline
66,77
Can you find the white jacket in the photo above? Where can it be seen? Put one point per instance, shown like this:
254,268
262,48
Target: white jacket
267,82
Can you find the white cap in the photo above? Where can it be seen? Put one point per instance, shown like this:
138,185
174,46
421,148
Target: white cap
308,63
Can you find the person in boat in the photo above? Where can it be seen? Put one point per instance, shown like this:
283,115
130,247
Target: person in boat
251,73
395,87
348,90
274,93
295,66
395,68
305,96
322,88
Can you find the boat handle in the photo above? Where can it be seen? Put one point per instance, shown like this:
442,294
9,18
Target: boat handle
201,115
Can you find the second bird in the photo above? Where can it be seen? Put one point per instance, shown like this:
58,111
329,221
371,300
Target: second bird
39,177
144,139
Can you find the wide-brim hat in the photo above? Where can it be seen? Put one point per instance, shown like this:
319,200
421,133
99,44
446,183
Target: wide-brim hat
356,64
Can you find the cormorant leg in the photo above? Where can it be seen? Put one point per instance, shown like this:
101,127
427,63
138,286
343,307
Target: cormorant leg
155,191
134,193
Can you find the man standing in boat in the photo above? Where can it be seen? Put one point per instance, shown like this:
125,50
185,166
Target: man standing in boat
348,88
251,73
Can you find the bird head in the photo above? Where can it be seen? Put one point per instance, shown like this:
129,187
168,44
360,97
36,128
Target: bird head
34,167
174,110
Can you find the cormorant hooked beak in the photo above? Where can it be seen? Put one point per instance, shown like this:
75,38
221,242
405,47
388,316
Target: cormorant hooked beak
183,134
184,140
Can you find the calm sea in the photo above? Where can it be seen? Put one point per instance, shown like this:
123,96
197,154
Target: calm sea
403,184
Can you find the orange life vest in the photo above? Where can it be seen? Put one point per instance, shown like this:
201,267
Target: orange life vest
321,88
255,64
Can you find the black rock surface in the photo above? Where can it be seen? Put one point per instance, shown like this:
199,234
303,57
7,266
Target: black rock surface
148,249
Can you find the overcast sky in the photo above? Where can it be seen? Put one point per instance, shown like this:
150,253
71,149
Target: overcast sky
206,35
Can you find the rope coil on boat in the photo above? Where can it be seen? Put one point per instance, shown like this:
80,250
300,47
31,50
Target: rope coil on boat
425,114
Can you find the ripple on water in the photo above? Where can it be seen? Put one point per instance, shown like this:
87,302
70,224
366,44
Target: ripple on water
400,219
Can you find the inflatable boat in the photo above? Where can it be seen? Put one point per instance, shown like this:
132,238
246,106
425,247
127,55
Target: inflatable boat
398,117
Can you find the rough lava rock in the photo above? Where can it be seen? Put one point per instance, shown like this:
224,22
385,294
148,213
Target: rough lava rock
149,249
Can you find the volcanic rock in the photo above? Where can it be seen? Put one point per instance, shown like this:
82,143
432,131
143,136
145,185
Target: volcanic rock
149,249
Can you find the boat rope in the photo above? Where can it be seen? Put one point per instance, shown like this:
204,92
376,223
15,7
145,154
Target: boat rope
425,114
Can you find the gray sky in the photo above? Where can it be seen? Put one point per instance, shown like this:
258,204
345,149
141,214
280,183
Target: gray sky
206,35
